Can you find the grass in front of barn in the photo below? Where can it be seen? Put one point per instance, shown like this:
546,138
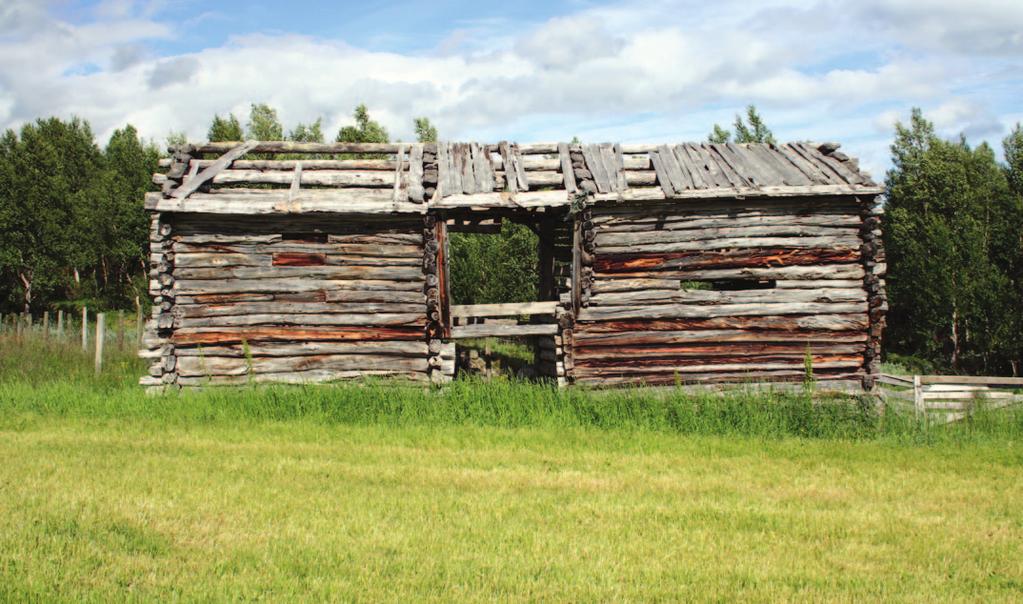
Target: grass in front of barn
488,491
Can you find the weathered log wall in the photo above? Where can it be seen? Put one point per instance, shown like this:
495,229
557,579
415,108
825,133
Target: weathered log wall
297,299
728,291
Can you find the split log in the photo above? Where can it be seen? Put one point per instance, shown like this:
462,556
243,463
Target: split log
301,377
746,258
346,271
202,366
222,336
639,246
821,322
837,271
282,308
295,285
668,311
707,297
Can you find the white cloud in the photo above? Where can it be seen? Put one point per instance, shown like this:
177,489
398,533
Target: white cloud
656,70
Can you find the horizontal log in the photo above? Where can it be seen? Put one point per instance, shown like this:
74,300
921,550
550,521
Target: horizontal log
237,257
347,271
624,364
741,193
746,258
698,366
793,350
293,285
726,218
302,377
836,242
839,271
707,297
599,378
202,366
281,308
521,199
719,208
855,323
383,165
504,310
609,343
280,202
486,330
611,239
221,336
668,311
971,396
819,284
285,349
319,148
347,319
328,178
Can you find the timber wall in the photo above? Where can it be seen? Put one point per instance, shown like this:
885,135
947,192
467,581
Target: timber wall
287,299
726,291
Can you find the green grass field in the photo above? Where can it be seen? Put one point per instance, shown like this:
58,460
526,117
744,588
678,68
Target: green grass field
500,491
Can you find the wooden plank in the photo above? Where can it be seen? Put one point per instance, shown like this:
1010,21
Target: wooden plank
732,170
567,172
610,163
206,175
289,349
196,311
400,188
307,320
445,184
663,178
485,330
291,334
415,174
610,238
841,271
352,201
510,180
692,165
518,171
809,169
504,310
293,285
335,178
228,366
708,297
678,181
594,162
972,380
296,183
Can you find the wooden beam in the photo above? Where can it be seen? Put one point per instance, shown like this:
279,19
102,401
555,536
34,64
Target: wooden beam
192,185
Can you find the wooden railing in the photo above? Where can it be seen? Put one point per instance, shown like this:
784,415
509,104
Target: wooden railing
500,320
950,398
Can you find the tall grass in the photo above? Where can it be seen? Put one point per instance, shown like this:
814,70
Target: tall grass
51,377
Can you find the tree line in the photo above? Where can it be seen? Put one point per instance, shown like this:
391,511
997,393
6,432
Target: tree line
73,230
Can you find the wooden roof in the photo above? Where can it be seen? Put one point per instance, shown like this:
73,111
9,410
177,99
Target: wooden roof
288,178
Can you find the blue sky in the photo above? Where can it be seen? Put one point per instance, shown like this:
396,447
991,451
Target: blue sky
657,70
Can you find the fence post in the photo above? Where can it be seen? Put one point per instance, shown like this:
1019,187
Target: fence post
120,330
60,324
85,329
46,325
100,325
918,397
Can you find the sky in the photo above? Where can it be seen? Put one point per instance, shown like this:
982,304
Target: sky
624,71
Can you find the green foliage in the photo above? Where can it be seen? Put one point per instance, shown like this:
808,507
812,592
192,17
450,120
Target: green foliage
1013,145
756,131
71,215
719,135
752,130
263,123
365,129
308,133
491,269
953,245
225,129
176,138
425,131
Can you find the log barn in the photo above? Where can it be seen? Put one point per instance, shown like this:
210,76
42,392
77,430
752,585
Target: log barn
658,264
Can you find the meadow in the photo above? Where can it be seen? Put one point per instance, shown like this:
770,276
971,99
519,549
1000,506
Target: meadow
498,490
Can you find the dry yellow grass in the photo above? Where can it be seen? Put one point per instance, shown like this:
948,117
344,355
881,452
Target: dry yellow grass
108,510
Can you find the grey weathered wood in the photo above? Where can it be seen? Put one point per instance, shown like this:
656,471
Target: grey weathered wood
485,330
298,349
567,172
377,319
668,311
101,320
293,285
623,181
663,178
221,163
415,174
294,308
679,182
463,167
840,271
522,183
971,380
504,310
355,201
610,164
400,187
508,163
202,366
607,237
85,329
296,183
296,147
691,166
595,163
706,297
445,182
737,242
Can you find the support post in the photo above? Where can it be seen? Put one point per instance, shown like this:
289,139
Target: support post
46,325
85,329
60,324
100,327
918,397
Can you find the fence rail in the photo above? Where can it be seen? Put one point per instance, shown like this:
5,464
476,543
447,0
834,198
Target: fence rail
951,398
500,320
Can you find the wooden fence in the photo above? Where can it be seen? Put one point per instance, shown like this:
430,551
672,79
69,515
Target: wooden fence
94,330
950,398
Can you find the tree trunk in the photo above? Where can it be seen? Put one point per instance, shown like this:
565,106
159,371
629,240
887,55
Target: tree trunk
26,281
